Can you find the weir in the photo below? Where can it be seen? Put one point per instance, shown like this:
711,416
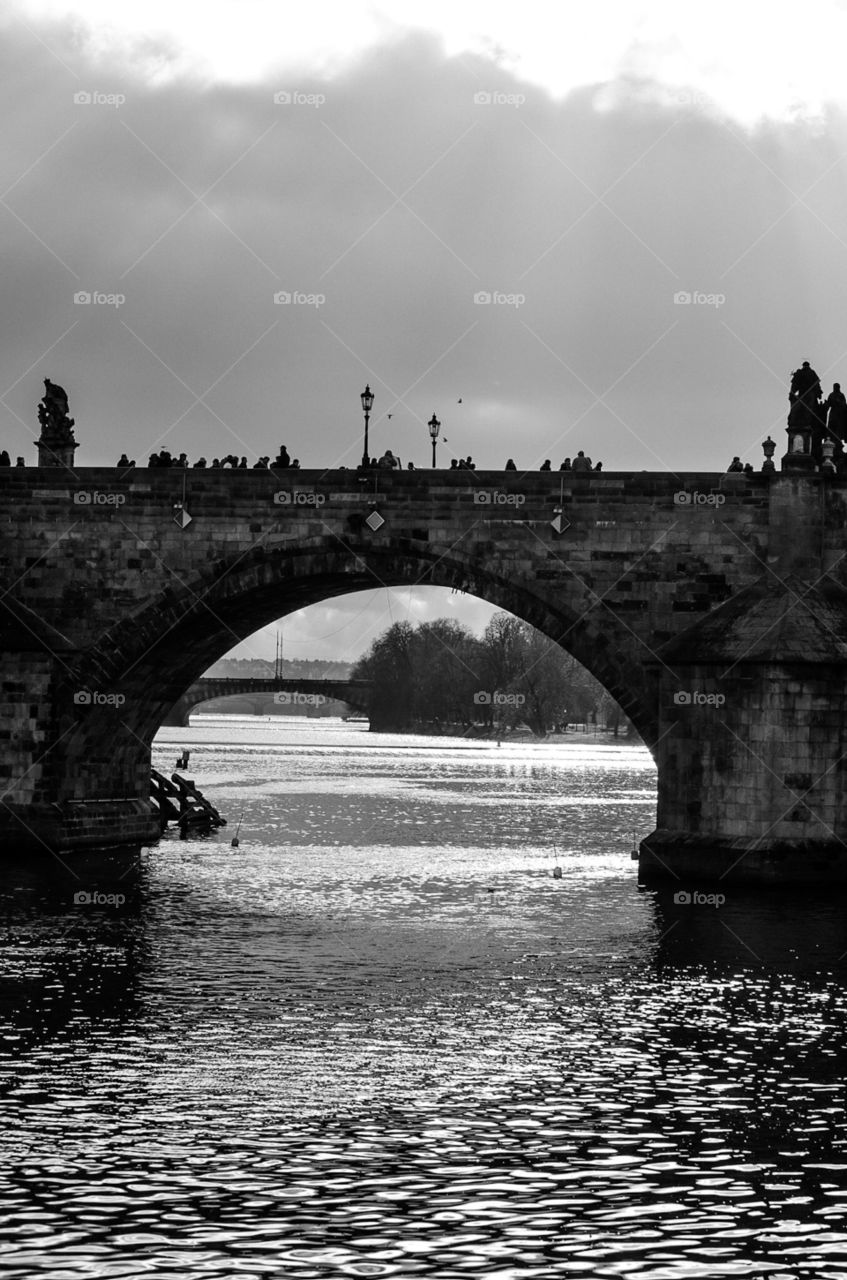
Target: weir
712,607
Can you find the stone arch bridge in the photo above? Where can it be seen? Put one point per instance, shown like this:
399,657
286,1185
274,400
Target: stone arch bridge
356,693
712,607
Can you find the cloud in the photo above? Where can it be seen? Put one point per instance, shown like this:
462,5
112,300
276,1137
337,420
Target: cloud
396,201
345,627
747,63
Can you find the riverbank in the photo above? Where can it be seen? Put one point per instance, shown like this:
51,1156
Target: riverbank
574,733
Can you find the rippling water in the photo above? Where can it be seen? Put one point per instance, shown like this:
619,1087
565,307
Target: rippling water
380,1039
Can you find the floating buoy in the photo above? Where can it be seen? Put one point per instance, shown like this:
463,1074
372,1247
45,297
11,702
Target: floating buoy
233,844
557,872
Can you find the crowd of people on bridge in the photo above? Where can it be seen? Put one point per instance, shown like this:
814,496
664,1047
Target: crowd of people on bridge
164,458
388,461
738,465
579,463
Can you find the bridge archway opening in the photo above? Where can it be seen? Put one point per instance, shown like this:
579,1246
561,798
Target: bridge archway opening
156,655
331,642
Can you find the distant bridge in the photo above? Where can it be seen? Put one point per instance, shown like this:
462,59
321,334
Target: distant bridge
356,693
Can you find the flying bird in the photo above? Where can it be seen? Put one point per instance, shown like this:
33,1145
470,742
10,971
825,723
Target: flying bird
459,401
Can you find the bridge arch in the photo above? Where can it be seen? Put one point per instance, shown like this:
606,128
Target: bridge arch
153,657
354,693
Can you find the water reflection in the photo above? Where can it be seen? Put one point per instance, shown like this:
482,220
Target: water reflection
342,1052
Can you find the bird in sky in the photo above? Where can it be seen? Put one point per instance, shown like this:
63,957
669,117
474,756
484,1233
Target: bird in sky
459,401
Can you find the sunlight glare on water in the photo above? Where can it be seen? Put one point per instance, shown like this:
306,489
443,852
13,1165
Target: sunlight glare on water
380,1039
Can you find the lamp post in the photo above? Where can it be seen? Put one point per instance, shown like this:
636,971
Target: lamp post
367,398
434,428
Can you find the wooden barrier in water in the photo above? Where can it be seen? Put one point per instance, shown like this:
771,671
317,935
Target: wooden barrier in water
181,802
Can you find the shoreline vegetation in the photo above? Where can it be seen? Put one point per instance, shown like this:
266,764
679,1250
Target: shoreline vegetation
438,678
441,676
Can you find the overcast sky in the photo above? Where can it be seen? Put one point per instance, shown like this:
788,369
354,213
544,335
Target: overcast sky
582,164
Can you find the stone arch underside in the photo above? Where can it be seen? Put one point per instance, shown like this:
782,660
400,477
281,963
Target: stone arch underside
152,657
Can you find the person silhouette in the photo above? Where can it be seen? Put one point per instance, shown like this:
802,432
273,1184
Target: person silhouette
835,406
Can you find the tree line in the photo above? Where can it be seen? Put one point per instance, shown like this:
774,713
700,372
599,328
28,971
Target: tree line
440,676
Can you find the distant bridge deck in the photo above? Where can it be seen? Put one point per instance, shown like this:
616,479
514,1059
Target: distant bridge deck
356,693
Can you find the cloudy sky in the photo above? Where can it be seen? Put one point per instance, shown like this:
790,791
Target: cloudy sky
381,166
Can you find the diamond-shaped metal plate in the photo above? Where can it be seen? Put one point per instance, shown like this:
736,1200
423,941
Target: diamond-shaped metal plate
560,524
374,521
182,518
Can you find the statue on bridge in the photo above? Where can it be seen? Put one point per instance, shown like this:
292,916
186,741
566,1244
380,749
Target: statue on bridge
805,384
806,417
56,444
836,423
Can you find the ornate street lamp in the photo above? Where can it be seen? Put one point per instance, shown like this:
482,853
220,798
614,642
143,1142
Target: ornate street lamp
769,448
434,428
367,398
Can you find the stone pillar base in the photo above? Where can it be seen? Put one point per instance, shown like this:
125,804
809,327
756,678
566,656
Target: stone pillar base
77,825
687,859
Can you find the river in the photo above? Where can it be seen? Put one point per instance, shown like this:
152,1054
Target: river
380,1038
